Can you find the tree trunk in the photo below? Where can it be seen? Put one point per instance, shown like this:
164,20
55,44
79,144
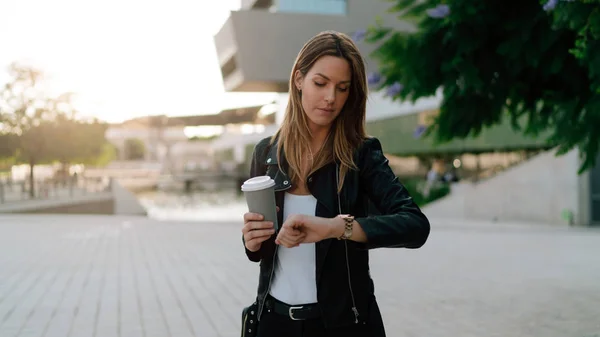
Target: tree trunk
31,180
65,177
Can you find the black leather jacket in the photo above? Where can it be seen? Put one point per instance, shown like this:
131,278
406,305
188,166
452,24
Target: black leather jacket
342,275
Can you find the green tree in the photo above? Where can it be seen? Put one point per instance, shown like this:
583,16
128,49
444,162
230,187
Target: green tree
44,129
77,140
25,111
134,149
107,155
535,62
8,145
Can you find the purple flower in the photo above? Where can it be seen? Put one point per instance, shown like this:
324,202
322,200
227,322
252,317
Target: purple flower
550,5
373,78
419,131
394,89
359,35
438,12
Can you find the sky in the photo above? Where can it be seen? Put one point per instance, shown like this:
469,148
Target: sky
124,58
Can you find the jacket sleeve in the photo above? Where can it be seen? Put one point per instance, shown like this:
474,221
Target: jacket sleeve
401,223
255,170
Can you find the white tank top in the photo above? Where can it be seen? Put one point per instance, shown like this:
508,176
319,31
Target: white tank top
294,280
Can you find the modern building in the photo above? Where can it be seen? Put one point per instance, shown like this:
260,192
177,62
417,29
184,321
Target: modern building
258,44
157,139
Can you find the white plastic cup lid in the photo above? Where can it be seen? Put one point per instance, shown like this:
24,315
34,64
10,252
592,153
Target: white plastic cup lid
257,184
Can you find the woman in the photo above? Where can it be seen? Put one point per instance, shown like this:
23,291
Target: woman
314,273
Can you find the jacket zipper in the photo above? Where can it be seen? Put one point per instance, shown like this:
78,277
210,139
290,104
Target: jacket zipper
350,285
354,309
262,305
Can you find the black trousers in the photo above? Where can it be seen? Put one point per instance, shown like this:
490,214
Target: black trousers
277,325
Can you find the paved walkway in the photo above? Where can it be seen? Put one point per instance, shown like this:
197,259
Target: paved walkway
88,276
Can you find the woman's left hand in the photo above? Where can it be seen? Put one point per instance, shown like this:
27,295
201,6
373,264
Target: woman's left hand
304,229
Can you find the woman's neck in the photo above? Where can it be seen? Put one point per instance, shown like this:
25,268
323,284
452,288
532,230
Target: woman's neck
319,137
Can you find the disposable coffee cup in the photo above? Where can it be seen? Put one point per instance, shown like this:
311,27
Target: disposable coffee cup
260,197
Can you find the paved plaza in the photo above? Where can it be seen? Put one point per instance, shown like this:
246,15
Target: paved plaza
102,276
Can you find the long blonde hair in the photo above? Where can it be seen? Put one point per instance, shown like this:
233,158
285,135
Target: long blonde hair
348,128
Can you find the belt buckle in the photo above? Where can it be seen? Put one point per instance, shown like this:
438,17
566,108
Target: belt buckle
291,313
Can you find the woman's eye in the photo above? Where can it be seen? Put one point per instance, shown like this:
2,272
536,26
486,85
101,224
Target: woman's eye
343,89
319,84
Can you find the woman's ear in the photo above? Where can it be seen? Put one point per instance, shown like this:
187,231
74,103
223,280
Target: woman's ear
298,77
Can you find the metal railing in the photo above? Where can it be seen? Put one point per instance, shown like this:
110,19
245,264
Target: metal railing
53,189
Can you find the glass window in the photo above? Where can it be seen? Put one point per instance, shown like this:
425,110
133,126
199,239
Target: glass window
331,7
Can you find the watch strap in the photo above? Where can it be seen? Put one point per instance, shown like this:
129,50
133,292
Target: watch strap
349,224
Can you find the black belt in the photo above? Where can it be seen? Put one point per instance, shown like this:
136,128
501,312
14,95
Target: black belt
294,312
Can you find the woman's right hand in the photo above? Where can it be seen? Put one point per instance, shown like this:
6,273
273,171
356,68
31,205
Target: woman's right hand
256,231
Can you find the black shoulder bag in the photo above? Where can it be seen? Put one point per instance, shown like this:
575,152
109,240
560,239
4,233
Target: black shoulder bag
250,320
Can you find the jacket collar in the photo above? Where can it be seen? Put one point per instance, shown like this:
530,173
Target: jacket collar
276,171
271,158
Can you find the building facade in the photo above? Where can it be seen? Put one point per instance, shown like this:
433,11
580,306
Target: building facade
257,45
